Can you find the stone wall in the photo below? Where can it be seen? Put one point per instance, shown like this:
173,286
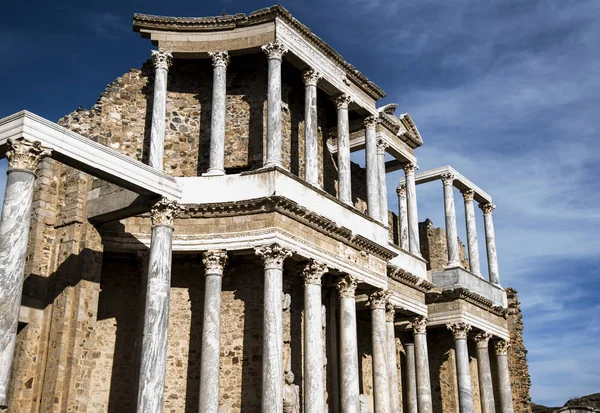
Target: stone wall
517,356
434,248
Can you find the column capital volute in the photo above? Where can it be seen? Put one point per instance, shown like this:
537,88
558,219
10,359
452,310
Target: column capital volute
342,101
25,155
346,286
274,50
410,168
390,312
468,195
487,208
381,146
501,347
220,58
401,190
214,261
459,330
419,325
164,212
448,179
378,299
371,121
162,59
311,77
482,339
313,272
273,255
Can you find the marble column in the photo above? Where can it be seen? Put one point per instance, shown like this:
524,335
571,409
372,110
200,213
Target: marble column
504,390
214,262
450,213
314,383
392,364
343,150
273,257
372,166
486,389
383,204
411,379
311,145
463,373
490,242
402,217
23,160
162,61
151,385
411,203
216,166
424,403
381,386
274,51
472,242
349,389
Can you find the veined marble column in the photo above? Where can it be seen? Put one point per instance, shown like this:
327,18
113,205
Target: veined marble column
349,389
156,314
411,379
486,389
411,202
23,160
506,401
275,51
273,257
162,61
424,403
471,232
402,217
343,150
463,373
311,146
220,60
383,204
392,359
450,213
490,242
381,386
372,166
314,383
214,262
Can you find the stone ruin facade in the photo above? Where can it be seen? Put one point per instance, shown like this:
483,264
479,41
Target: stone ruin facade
200,241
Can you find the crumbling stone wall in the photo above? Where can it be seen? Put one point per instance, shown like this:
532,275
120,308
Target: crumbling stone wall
520,380
434,248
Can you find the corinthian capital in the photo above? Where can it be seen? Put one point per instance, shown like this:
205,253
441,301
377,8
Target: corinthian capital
482,339
419,325
501,347
23,154
378,299
459,330
346,286
313,272
381,147
401,191
162,59
273,255
448,179
164,212
274,50
342,101
410,168
219,58
468,195
487,208
371,121
214,261
390,312
311,77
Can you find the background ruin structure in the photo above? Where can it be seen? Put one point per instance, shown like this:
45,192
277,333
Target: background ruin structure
202,231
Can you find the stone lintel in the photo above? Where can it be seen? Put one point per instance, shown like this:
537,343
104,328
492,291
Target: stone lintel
112,203
458,278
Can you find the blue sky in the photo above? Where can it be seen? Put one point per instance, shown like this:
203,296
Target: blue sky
504,90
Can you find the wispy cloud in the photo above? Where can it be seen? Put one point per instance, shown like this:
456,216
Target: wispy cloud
108,25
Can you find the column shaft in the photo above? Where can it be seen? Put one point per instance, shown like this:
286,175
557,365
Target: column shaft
411,379
383,204
349,389
490,243
218,114
311,146
332,361
162,61
343,150
506,401
392,361
411,201
372,167
463,373
486,390
274,51
450,213
402,218
472,241
422,366
381,386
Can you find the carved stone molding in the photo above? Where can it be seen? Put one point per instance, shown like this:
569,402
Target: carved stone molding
381,147
311,77
273,255
214,261
419,325
410,168
378,299
482,339
346,286
313,272
459,330
401,191
342,101
487,208
501,347
274,50
162,59
23,154
164,212
409,279
448,179
219,58
372,121
468,195
390,312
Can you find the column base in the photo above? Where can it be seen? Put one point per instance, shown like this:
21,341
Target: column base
272,165
452,265
214,172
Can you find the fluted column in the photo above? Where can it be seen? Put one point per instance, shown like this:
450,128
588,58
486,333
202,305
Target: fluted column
424,403
311,145
450,213
411,202
156,313
343,150
162,61
349,389
463,373
402,217
314,383
411,379
490,242
472,242
383,204
23,160
220,60
273,257
372,166
486,389
506,401
392,359
275,51
214,262
381,386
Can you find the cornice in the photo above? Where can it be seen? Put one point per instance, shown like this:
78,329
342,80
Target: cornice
409,279
470,297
